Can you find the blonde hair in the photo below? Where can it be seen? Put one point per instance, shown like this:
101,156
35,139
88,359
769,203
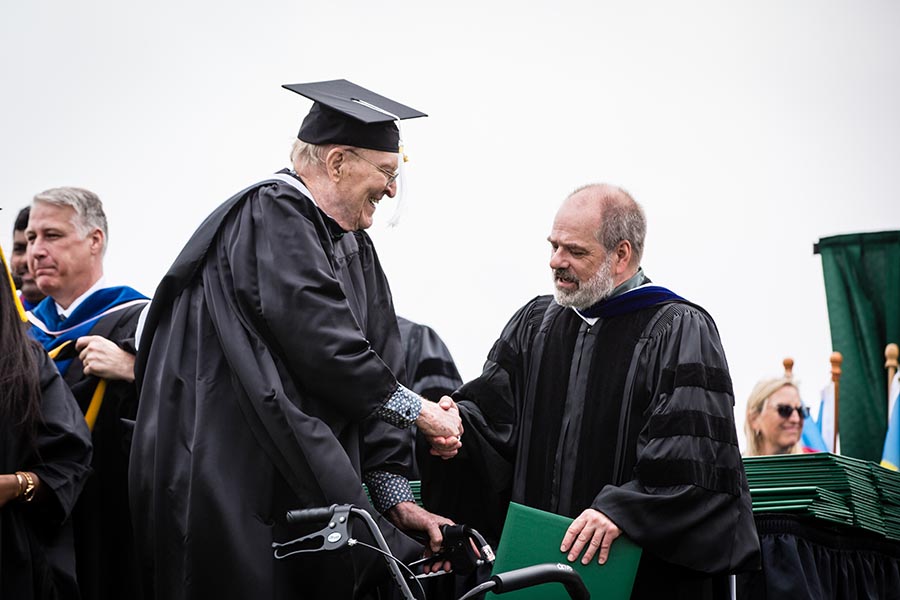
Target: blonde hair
761,393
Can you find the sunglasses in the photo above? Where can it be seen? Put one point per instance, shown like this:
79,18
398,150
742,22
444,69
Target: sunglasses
786,410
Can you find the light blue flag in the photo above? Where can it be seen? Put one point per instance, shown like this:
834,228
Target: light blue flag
826,417
890,457
811,436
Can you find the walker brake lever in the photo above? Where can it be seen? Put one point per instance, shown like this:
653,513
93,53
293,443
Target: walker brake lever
334,536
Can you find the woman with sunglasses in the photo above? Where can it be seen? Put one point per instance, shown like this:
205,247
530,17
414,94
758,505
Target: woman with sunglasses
775,418
45,455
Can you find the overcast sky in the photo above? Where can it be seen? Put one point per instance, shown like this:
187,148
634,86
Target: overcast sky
748,130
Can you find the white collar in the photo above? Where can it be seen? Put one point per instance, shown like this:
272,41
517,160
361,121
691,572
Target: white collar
66,312
616,292
294,181
589,320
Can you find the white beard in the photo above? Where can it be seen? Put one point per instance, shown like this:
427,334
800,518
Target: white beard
588,293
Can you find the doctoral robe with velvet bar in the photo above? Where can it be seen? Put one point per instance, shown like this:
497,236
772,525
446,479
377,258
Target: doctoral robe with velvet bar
631,416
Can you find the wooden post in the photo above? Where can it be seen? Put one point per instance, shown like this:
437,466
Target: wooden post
890,363
836,360
788,367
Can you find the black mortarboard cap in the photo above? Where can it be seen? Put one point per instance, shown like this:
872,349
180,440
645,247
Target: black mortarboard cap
345,113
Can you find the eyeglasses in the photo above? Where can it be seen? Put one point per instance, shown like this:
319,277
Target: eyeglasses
786,410
391,177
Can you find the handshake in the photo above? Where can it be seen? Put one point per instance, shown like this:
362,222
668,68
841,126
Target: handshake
442,426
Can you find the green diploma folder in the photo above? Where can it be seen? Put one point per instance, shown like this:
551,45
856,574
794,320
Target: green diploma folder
532,537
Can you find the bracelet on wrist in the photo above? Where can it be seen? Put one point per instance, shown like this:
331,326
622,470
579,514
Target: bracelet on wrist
26,486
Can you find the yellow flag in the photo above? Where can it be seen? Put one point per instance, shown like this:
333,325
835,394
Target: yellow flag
12,286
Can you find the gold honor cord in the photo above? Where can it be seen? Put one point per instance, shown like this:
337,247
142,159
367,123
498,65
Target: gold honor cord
55,352
96,400
12,286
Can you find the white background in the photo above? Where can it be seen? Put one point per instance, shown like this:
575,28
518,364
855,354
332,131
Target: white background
748,130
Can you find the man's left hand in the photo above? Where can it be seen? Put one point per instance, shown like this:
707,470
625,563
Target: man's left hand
103,358
412,517
593,530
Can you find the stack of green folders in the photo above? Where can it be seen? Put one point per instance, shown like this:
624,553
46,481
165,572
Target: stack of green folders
416,487
888,486
828,487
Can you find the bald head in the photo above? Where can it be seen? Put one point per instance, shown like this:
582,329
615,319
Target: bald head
614,215
596,242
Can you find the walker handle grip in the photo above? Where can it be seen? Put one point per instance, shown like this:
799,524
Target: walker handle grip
310,515
545,573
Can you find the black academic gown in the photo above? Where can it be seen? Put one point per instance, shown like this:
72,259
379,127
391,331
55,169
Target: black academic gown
430,369
632,417
37,557
104,545
268,346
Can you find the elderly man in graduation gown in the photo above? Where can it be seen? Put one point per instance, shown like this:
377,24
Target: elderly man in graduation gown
611,404
88,327
269,369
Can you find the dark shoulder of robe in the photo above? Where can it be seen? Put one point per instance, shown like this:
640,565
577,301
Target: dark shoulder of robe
475,487
259,361
654,445
430,370
37,558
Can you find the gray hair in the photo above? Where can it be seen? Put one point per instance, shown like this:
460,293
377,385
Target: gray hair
88,208
304,154
621,219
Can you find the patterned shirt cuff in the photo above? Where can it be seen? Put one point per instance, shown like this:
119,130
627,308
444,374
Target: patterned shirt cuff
401,409
387,489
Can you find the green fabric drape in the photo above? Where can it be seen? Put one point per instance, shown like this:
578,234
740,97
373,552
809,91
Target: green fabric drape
862,289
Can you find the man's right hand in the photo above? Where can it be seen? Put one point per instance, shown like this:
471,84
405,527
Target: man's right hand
442,426
592,531
104,358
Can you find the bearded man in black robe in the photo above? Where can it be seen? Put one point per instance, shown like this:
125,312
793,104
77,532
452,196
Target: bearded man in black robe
611,404
268,371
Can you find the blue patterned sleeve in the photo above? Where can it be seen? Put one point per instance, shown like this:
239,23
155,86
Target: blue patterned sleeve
388,489
401,409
